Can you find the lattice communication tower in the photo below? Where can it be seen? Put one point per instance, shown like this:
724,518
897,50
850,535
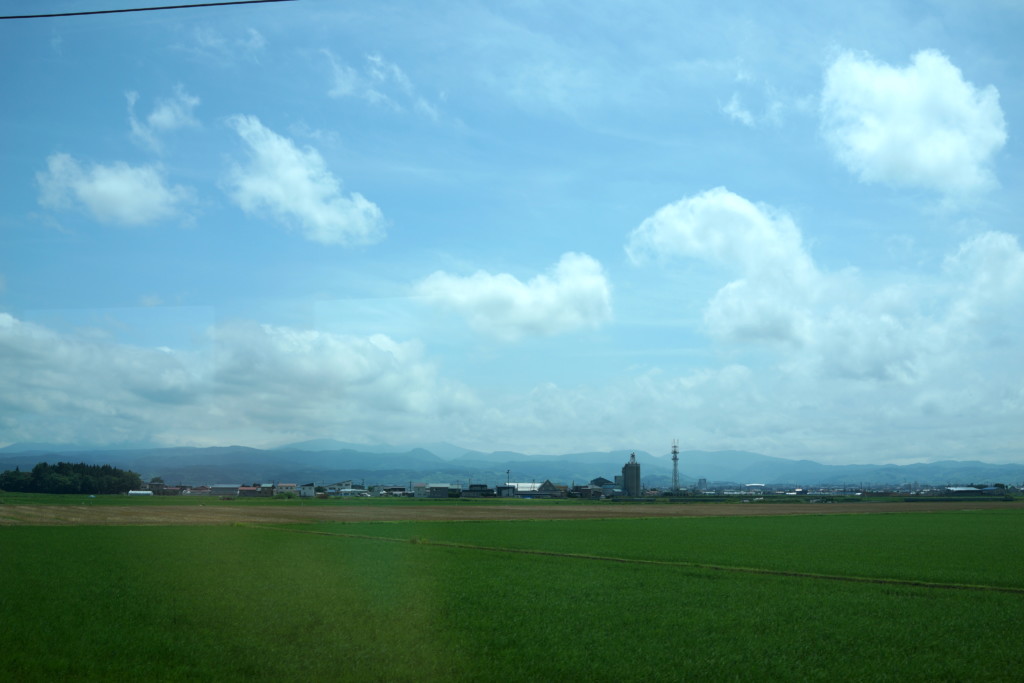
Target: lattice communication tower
675,466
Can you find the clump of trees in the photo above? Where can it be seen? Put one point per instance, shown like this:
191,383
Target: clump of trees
66,477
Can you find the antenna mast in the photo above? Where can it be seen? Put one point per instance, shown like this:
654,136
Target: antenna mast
675,467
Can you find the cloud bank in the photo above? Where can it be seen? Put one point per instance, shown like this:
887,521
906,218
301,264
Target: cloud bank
252,382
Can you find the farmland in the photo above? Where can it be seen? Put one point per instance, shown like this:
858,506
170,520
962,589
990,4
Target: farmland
76,510
915,595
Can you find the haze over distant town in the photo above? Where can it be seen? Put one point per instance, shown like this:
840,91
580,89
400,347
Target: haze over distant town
544,228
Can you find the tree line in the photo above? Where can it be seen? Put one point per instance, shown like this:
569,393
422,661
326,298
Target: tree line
66,477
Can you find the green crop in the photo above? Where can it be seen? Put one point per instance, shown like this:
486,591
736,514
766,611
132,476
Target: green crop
251,603
977,547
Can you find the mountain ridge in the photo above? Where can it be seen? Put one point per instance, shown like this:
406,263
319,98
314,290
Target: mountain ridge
384,464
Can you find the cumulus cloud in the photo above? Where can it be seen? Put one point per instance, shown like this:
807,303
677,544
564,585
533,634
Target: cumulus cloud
762,244
285,371
829,324
936,354
118,193
931,337
918,126
379,82
258,381
294,186
574,294
168,114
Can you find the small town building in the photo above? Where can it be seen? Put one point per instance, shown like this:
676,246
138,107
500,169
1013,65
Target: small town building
963,490
478,491
224,490
588,492
534,490
438,490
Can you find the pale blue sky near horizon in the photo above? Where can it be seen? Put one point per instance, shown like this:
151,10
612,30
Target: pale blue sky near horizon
544,227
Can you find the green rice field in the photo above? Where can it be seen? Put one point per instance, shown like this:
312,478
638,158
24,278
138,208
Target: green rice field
934,596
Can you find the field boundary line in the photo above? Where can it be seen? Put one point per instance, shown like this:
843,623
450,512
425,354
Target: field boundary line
665,563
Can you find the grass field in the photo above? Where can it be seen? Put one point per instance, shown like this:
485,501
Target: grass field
641,599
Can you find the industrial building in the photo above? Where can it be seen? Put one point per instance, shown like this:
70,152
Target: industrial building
631,477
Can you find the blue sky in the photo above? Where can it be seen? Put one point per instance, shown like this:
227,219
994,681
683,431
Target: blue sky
546,227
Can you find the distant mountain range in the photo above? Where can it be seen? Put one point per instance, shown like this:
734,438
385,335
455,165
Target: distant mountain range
329,461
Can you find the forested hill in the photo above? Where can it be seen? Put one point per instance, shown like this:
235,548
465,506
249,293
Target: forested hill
67,477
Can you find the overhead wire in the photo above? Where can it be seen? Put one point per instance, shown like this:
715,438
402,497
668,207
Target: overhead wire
140,9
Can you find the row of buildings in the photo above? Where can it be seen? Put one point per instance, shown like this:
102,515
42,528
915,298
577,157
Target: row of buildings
597,489
626,485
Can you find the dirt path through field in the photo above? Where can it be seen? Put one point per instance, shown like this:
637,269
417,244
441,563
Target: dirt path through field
71,515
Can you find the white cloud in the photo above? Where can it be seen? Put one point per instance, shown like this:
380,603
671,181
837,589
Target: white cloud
55,387
574,295
169,114
760,104
989,271
992,263
735,111
118,193
778,277
379,82
939,354
830,324
942,386
835,324
259,383
279,371
295,186
918,126
345,79
937,361
210,44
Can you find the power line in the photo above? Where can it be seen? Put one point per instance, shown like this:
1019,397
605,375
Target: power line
142,9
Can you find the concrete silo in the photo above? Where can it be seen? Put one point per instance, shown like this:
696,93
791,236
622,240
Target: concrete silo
631,477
